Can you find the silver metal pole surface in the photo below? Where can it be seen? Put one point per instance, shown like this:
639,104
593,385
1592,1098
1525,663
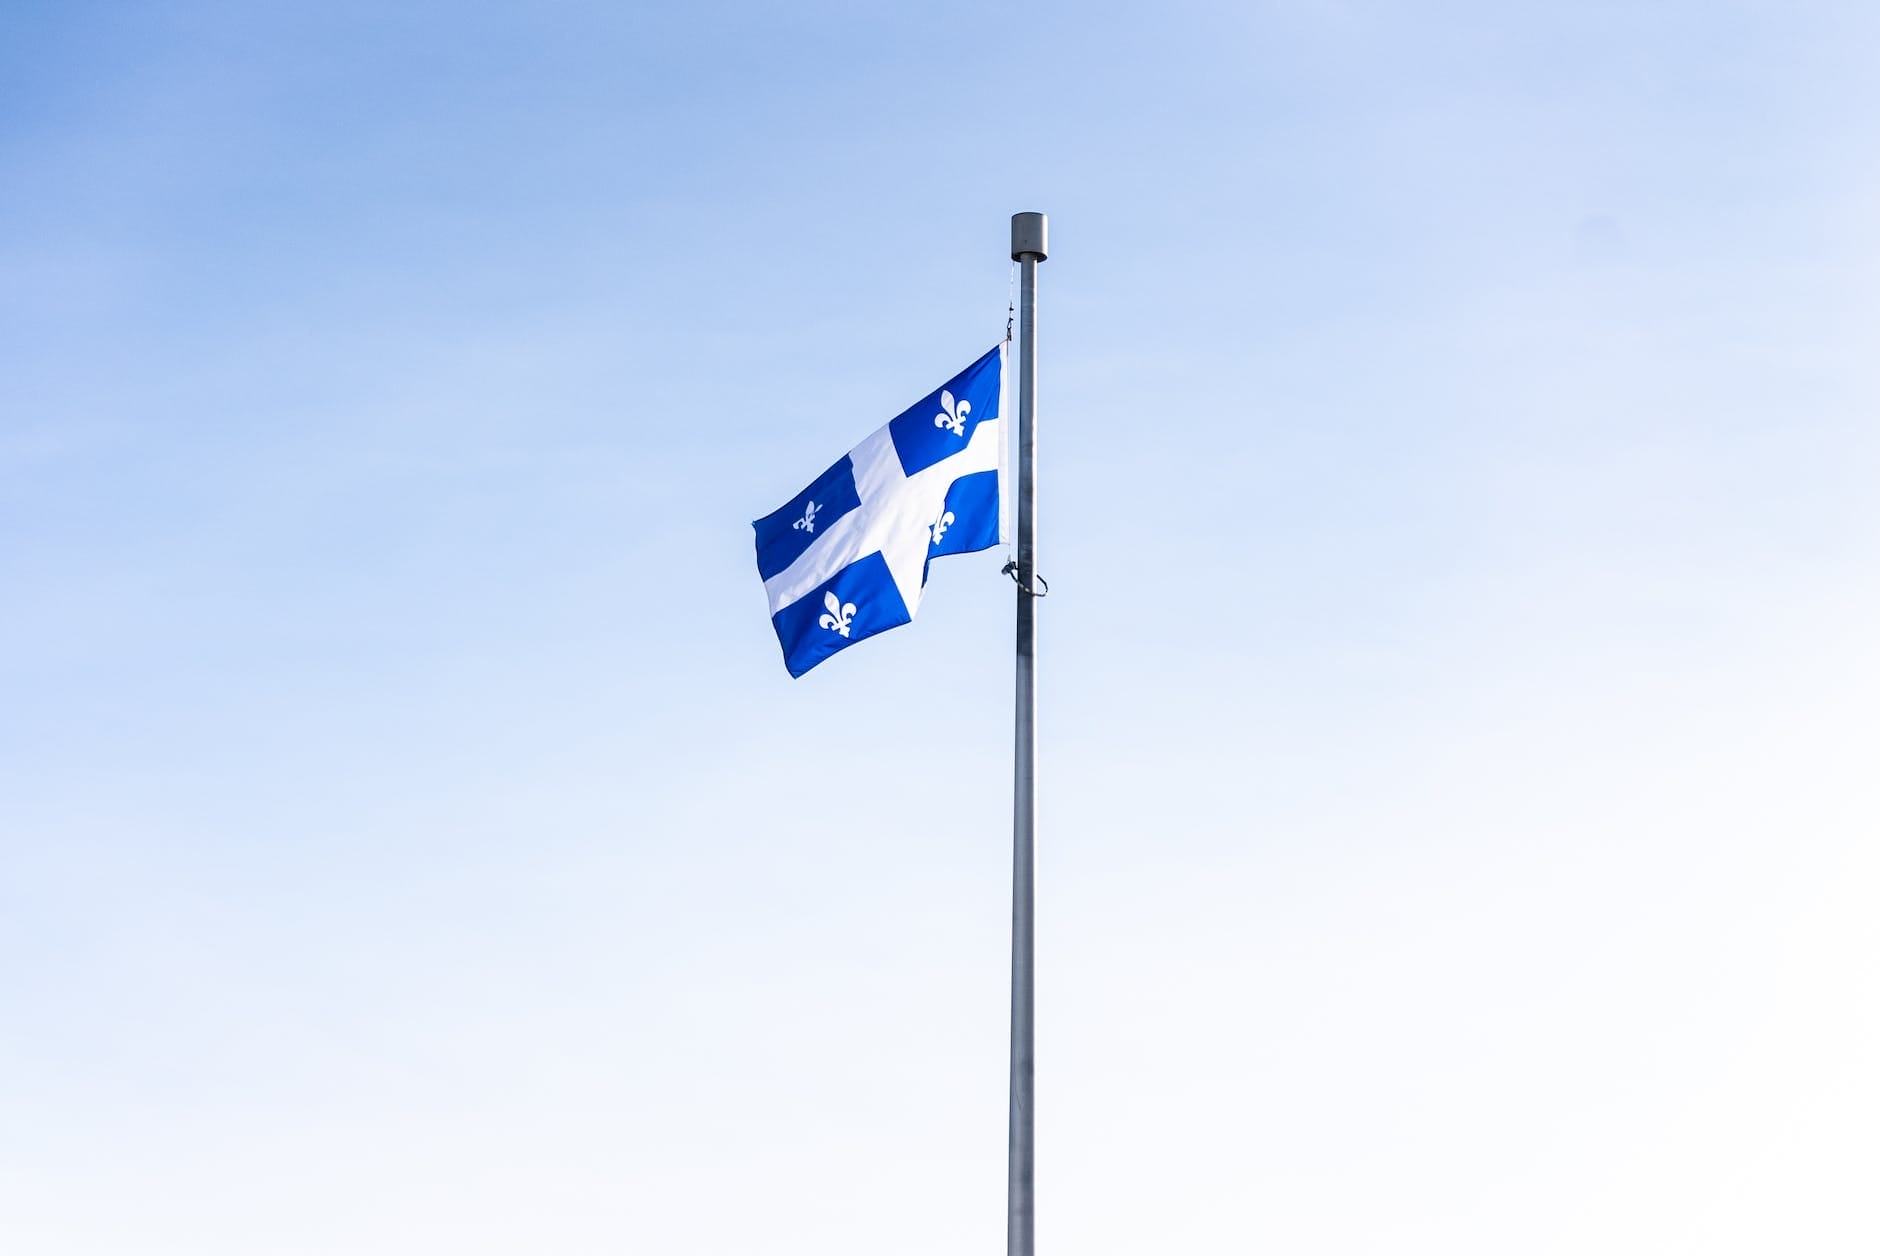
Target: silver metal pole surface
1028,249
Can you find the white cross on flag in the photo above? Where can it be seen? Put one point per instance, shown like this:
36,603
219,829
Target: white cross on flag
847,557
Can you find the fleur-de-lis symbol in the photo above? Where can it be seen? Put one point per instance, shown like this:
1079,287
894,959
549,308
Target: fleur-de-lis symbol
840,613
808,522
940,524
954,420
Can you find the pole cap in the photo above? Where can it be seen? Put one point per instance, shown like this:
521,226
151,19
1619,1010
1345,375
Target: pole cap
1028,235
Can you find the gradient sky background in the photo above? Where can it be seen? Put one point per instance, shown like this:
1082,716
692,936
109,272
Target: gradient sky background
1458,688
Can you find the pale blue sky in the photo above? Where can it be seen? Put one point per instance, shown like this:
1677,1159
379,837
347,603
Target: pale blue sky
1459,678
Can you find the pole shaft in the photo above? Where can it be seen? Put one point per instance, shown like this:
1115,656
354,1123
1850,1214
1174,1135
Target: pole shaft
1028,249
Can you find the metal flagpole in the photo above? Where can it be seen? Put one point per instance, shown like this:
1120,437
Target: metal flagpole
1028,249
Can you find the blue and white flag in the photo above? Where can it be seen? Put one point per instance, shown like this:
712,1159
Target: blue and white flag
847,557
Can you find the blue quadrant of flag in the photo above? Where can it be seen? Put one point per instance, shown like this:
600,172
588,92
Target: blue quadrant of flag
847,557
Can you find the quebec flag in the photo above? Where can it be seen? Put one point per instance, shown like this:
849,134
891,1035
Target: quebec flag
847,557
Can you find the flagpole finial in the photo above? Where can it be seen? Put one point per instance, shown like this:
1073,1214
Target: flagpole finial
1028,236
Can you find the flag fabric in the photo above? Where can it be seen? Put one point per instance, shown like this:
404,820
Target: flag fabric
847,557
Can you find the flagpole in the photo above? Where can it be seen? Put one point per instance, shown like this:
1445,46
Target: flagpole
1028,249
